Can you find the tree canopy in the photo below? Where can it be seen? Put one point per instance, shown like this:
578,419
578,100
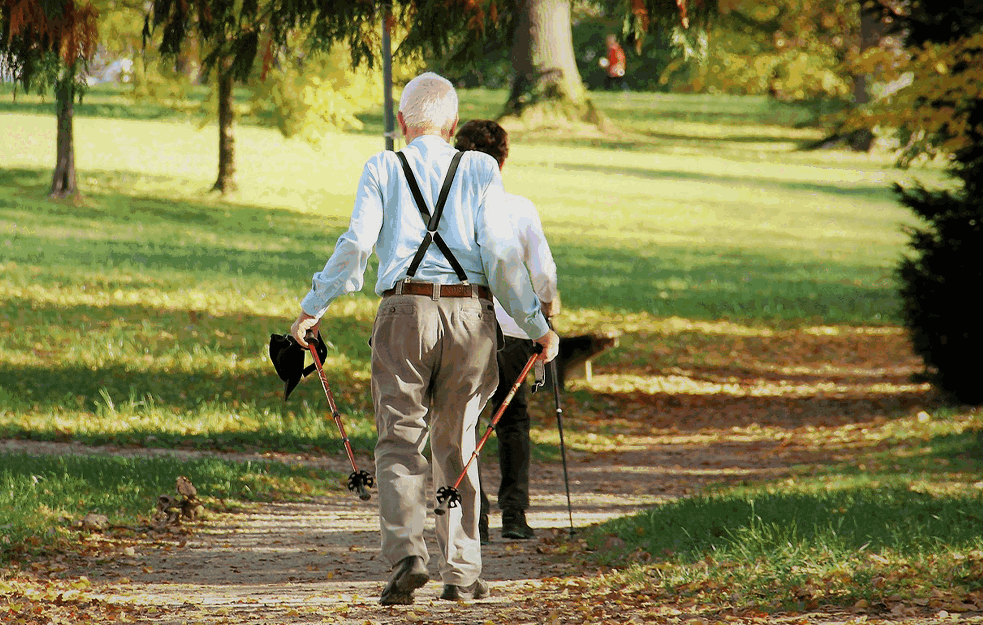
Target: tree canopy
38,38
46,44
935,105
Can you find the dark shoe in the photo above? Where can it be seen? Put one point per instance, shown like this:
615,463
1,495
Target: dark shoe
514,524
477,590
410,574
483,529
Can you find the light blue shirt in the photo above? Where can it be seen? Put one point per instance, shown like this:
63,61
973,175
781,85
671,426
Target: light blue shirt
477,226
536,255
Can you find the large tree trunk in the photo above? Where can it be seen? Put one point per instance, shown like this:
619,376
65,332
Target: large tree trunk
861,140
547,86
226,182
870,35
63,181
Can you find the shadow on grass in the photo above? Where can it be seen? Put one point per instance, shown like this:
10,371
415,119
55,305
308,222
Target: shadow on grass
217,239
692,412
164,234
117,101
866,192
714,283
186,402
941,457
710,109
191,402
135,475
721,378
103,110
722,139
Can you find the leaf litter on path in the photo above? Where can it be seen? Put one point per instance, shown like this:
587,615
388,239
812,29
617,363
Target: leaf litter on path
720,408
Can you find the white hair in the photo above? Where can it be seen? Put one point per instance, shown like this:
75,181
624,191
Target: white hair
429,102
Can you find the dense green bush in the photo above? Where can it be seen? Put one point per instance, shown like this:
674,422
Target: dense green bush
944,276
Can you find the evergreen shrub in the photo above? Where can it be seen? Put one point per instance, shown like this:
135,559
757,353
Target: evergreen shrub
942,280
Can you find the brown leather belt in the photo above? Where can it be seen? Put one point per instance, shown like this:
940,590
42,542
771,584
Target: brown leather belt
446,290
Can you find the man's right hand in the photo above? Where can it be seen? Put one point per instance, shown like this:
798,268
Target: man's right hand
551,346
302,325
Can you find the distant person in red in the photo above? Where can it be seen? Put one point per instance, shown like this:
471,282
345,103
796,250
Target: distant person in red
614,65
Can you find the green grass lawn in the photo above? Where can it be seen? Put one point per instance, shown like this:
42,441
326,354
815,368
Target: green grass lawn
146,308
141,314
42,497
898,530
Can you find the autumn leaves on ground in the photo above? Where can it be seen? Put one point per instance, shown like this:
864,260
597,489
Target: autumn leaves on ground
715,404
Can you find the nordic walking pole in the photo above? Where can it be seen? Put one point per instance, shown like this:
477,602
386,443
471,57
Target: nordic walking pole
358,481
449,494
559,426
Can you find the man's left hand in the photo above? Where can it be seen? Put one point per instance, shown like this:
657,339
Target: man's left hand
551,346
304,324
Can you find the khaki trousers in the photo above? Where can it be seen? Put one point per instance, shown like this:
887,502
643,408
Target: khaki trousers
433,371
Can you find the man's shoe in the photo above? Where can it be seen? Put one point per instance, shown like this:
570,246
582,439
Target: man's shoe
410,574
483,529
477,590
514,524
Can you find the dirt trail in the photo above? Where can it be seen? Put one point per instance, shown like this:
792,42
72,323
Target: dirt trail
319,562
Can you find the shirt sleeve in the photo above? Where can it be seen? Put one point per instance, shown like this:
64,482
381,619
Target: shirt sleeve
539,257
345,270
503,262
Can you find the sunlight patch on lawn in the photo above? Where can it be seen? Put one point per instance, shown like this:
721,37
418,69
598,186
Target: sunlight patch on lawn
682,385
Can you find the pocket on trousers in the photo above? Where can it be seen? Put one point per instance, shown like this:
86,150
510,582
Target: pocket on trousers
392,313
477,309
479,314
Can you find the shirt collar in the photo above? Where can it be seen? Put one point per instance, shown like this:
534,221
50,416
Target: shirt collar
430,140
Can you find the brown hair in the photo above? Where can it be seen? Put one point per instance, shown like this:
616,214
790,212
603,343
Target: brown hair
484,135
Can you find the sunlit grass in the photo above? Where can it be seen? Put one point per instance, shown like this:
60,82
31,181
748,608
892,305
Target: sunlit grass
896,525
153,292
732,265
42,498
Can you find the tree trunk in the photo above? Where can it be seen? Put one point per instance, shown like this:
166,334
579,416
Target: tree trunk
547,86
870,34
63,181
862,140
226,182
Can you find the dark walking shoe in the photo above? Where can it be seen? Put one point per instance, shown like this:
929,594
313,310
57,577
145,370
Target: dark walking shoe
483,529
410,573
514,524
477,590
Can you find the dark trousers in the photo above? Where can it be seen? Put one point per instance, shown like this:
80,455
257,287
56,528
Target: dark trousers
512,430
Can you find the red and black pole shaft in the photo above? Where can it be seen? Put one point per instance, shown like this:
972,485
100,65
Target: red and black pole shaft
449,495
358,481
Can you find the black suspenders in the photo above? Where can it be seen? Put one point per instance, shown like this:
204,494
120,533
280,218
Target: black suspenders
433,220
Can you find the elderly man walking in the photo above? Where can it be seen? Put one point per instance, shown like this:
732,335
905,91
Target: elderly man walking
435,335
